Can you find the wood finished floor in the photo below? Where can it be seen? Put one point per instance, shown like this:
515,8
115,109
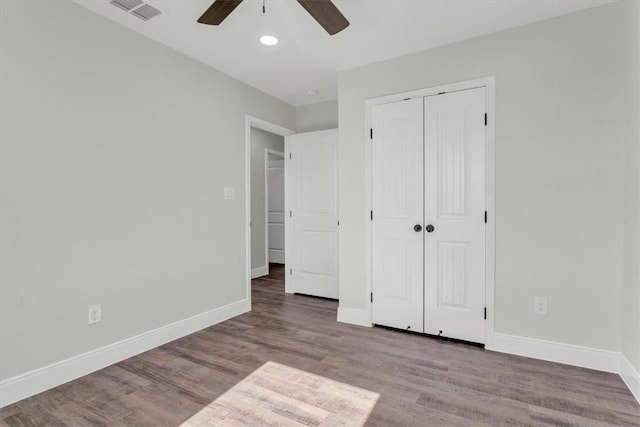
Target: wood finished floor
421,381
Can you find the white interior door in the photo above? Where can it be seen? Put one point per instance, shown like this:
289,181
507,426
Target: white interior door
454,252
397,201
313,221
275,208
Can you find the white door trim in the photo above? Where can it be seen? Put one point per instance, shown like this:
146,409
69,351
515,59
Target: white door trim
268,151
489,84
249,122
287,208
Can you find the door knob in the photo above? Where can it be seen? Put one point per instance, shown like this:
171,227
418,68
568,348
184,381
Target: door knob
430,228
417,228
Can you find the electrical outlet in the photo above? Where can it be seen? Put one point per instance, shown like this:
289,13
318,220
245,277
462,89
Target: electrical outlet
95,314
540,305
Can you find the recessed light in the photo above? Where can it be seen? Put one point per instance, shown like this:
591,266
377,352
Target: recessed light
312,92
269,40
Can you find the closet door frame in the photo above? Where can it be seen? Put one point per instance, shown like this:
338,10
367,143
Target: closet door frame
489,84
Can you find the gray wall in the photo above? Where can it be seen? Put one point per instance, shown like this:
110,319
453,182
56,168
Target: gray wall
561,100
114,154
320,116
259,141
631,288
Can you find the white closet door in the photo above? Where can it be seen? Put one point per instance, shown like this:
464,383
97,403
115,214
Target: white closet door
454,252
397,201
314,215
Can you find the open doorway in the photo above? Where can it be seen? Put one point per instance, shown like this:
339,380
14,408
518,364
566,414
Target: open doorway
265,169
265,146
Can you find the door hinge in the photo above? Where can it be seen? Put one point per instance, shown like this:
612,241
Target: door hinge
289,156
485,217
291,272
290,214
371,212
485,119
370,133
371,296
485,313
338,223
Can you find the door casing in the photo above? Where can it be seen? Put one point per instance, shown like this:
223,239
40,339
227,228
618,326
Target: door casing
489,84
254,122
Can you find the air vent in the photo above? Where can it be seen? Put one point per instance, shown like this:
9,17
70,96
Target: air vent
126,5
145,12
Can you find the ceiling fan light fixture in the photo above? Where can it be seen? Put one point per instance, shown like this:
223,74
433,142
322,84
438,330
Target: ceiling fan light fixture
269,40
323,11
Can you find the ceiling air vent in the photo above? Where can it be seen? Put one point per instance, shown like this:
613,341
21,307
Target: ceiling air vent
126,5
145,12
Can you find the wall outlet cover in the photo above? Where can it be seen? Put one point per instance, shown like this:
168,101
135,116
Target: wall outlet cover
540,305
95,314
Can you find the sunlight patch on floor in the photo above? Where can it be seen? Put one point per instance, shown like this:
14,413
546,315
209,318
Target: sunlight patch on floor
276,394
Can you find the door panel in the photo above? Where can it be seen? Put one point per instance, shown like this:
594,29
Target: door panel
452,290
314,247
452,165
317,162
314,216
397,201
454,177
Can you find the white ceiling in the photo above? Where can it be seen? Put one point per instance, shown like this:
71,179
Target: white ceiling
307,58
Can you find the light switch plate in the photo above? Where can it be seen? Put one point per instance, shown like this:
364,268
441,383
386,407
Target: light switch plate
229,193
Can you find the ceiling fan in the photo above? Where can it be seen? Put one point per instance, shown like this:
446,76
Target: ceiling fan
323,11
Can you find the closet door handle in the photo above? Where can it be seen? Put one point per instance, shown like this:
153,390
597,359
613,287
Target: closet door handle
417,228
430,228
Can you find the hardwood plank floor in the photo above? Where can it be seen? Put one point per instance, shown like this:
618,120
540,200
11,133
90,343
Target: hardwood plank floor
421,381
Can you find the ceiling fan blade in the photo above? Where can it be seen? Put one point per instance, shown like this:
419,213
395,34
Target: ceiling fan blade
327,15
218,11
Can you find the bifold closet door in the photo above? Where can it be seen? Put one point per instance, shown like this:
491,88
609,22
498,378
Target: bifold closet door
397,202
428,216
454,251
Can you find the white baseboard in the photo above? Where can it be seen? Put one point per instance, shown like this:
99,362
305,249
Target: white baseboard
276,256
259,272
39,380
354,316
630,376
585,357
